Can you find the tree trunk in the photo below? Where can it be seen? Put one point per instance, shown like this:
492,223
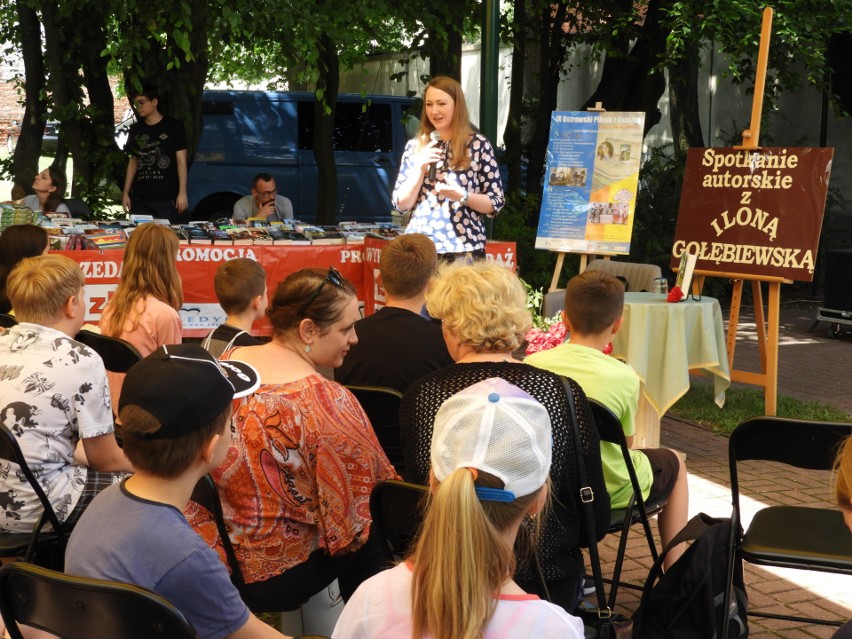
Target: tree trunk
445,59
512,133
324,110
550,67
63,80
28,149
630,82
683,103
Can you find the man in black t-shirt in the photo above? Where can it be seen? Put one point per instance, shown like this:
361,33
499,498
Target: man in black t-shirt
155,181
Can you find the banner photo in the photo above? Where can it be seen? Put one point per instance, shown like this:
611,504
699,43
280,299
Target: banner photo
591,182
753,212
197,267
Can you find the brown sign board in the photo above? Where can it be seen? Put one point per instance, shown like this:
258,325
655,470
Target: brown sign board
754,212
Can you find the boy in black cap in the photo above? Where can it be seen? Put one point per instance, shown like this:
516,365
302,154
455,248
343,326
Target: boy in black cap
175,409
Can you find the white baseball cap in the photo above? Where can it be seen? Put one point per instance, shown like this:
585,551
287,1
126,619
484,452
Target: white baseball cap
497,428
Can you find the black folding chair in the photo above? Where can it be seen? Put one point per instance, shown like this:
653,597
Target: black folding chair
638,510
117,354
382,407
788,536
397,510
47,547
82,608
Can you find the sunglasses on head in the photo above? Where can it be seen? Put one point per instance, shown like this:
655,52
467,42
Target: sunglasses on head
334,277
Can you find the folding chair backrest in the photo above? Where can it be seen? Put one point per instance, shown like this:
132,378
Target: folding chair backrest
610,430
82,608
397,510
382,407
118,355
804,444
206,495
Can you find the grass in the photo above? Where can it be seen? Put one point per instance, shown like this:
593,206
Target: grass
741,403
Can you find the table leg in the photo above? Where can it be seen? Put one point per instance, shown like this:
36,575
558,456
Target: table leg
647,425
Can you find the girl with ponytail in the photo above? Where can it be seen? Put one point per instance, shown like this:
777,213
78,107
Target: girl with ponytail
491,454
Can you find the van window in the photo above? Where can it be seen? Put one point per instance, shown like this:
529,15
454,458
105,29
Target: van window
355,129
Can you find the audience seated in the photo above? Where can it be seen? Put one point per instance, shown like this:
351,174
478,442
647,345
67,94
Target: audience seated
17,242
53,392
490,457
397,345
144,308
594,301
484,317
175,408
295,485
240,286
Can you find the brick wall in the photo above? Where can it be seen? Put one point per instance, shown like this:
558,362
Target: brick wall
11,108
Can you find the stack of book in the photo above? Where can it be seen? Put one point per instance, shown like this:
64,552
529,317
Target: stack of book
11,214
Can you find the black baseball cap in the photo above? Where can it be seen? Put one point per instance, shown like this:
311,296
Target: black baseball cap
185,387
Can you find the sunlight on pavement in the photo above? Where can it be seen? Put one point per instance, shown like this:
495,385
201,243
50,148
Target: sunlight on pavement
715,500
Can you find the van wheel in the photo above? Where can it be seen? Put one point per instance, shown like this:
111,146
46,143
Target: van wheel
215,206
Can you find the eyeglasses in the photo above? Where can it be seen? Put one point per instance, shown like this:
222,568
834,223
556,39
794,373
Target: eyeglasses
141,102
334,277
267,193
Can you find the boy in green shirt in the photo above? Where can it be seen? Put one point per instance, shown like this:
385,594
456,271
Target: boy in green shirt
594,302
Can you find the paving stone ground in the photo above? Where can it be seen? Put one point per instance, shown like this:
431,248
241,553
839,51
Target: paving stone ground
811,366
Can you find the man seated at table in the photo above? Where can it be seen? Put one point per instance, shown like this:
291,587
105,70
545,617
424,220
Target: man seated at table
397,345
264,201
594,302
53,392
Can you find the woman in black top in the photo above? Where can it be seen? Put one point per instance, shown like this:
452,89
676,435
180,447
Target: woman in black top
484,317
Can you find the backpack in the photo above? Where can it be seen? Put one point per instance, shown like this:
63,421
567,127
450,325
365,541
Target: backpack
686,602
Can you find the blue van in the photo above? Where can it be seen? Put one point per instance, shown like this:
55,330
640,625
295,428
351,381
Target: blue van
249,132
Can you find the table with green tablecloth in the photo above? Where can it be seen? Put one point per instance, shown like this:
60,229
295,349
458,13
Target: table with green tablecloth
664,342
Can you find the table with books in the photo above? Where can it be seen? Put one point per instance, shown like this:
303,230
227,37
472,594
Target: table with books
197,263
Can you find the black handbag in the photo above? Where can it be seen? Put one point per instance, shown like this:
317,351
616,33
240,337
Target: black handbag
600,622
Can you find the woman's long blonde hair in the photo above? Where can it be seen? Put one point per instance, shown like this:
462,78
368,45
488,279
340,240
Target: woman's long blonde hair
461,559
150,268
460,126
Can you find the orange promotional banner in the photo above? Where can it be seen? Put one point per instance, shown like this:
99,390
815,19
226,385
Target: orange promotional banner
197,266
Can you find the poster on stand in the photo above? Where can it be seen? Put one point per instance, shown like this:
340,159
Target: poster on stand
591,182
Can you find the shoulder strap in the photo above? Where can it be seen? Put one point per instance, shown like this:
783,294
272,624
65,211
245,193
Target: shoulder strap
587,497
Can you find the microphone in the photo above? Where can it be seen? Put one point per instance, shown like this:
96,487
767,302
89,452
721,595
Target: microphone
433,168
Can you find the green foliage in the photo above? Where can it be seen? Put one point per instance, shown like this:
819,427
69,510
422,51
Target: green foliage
515,224
660,180
698,405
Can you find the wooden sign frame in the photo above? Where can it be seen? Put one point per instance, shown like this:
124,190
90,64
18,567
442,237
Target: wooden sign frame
768,320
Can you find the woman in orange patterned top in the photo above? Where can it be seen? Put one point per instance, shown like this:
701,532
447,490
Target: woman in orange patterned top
295,486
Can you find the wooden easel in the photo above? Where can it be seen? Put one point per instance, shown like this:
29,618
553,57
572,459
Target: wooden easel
767,324
560,261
